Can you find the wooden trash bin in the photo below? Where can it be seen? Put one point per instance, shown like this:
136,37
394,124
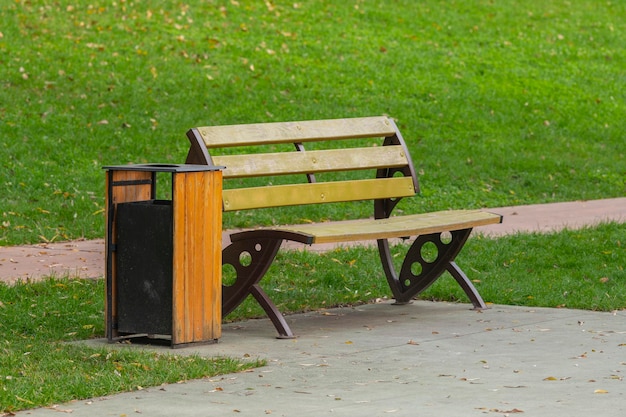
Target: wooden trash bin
163,257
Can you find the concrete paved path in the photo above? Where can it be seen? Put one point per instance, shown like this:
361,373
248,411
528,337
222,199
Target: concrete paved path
423,359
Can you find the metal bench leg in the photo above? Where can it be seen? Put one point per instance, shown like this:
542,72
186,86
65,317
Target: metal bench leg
284,331
467,286
421,269
251,259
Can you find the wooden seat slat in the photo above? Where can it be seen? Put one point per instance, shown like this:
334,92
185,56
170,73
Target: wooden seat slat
311,162
393,227
317,193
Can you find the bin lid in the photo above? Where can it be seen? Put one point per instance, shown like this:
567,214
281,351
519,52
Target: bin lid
157,167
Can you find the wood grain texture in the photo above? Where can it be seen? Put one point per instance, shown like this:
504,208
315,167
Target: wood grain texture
290,132
393,227
129,193
197,284
311,162
317,193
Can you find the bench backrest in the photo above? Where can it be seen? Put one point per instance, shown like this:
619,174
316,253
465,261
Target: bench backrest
298,157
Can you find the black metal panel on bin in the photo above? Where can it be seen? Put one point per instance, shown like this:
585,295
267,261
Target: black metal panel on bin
144,267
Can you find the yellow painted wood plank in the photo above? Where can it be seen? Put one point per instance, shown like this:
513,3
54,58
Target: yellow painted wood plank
394,227
289,132
311,162
323,192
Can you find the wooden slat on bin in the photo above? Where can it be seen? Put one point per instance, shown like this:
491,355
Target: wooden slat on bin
197,257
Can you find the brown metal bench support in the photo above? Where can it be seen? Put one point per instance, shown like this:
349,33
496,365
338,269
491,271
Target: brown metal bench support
278,320
418,272
251,259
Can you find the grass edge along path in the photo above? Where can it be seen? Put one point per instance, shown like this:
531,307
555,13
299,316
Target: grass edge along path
42,364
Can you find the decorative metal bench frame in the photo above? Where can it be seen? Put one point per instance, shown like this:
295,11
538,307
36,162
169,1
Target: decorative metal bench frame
394,179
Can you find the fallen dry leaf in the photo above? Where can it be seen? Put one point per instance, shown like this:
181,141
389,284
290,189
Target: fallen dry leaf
513,411
55,408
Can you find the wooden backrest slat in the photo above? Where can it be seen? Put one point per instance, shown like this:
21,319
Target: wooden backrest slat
290,132
311,162
377,159
314,193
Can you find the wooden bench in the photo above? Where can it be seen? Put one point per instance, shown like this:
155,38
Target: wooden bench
346,160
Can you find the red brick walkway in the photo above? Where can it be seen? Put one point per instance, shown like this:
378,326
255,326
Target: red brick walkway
86,258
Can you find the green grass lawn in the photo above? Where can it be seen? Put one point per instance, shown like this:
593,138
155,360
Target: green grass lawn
501,103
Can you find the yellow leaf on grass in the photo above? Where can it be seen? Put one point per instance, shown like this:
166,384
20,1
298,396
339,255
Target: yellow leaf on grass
24,400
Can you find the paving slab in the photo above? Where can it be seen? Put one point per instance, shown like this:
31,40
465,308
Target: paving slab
426,359
76,259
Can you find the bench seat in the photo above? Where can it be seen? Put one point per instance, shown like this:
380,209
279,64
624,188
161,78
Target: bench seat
374,229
